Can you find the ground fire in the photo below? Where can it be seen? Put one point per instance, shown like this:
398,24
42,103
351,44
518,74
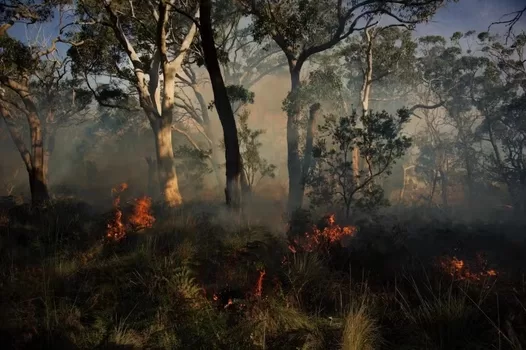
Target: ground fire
140,218
458,269
332,233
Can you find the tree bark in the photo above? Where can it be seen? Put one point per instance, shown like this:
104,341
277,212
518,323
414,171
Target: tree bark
443,182
209,133
469,181
168,182
48,151
293,155
234,174
159,112
34,160
365,95
38,182
309,143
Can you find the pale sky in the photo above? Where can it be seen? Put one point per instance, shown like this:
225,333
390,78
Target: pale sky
461,16
471,15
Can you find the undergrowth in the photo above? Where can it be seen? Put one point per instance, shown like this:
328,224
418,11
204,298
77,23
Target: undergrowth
194,282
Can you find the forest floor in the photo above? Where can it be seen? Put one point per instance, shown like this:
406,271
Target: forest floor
202,279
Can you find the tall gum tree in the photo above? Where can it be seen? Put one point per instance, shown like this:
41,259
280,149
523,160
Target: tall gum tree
142,46
20,64
235,179
303,28
243,62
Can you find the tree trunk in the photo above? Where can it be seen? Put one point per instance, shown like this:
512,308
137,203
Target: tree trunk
50,147
309,143
37,178
443,182
293,157
38,186
365,96
469,182
433,187
234,174
210,134
166,172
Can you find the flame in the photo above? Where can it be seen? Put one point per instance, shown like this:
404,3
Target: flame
330,234
259,285
142,217
119,189
115,228
458,268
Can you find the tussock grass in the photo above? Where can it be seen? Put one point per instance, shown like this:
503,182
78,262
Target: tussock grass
362,331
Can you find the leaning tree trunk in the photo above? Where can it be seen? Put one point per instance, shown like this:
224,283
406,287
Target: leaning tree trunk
234,174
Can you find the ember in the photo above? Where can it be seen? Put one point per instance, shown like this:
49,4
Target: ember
259,285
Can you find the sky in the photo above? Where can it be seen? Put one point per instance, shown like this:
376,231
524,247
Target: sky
471,15
461,16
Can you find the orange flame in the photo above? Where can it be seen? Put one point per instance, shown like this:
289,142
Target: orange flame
458,269
142,217
115,228
330,234
259,285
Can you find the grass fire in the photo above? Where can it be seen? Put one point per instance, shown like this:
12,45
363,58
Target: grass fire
249,174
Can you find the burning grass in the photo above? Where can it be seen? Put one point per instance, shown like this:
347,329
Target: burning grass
202,286
460,270
315,239
140,218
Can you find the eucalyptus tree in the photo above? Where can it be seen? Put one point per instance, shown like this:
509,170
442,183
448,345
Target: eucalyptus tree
243,63
33,84
136,48
303,28
498,92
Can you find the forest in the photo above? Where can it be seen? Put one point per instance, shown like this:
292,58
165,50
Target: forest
261,174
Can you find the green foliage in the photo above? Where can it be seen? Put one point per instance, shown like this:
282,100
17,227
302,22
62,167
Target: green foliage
193,166
393,58
324,85
237,93
380,142
254,166
15,57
